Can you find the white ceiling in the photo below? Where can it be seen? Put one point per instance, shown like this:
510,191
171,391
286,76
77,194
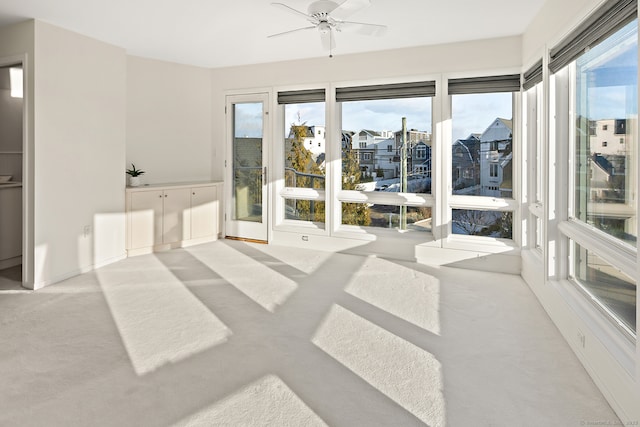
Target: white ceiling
218,33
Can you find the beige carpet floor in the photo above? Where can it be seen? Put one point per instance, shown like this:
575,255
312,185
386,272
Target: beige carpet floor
232,333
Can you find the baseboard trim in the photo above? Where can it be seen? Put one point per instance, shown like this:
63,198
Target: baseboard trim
243,239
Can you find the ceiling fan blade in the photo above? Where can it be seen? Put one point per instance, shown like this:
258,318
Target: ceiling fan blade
349,7
291,10
328,40
362,28
291,31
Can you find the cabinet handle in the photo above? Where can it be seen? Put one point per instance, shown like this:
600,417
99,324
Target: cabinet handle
194,193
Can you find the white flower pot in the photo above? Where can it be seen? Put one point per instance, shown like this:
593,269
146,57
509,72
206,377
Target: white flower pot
134,181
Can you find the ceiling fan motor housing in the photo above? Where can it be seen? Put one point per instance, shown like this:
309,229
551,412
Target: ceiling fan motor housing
322,8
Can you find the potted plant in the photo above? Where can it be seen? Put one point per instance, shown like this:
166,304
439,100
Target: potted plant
134,175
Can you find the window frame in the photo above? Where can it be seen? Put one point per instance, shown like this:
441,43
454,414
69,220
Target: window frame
534,131
340,196
440,200
280,192
453,201
612,250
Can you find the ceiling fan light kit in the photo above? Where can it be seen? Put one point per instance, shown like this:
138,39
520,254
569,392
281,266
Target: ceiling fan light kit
328,17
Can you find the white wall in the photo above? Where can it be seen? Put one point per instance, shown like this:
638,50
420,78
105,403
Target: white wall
168,121
572,314
464,57
79,153
17,43
555,20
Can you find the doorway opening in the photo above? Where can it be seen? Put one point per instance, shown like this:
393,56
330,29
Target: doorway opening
11,175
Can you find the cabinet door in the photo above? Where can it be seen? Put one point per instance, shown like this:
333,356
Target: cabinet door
146,219
10,222
204,212
176,218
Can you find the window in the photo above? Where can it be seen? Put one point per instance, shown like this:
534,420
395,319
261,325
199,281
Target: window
304,210
363,145
606,91
394,115
303,154
421,152
595,71
387,216
482,223
482,118
304,167
614,291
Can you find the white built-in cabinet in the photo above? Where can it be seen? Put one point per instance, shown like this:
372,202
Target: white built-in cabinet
171,215
10,225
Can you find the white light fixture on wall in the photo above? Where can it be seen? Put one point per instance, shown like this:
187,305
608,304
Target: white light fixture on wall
15,77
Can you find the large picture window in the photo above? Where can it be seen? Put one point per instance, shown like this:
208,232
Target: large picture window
606,112
375,125
482,160
387,149
594,72
482,155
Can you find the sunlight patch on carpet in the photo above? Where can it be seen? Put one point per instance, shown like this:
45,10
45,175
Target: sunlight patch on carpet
406,293
405,373
266,402
257,281
159,320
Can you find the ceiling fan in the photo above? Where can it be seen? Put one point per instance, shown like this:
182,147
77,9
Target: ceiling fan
328,17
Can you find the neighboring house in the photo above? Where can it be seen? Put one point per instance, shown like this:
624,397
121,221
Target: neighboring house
607,181
495,159
608,136
465,161
375,150
379,152
386,163
421,156
347,138
413,138
611,187
314,140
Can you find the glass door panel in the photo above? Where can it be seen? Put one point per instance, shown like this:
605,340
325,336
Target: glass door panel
248,207
247,162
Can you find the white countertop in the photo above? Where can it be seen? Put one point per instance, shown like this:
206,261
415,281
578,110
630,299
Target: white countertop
192,184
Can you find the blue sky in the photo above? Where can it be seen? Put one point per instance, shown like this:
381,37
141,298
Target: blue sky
471,113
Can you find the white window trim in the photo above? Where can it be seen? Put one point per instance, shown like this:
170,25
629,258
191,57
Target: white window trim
280,192
617,253
398,199
440,200
451,201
